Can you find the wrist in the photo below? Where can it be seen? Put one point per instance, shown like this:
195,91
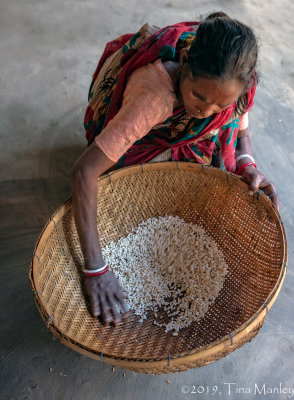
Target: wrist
97,271
243,159
94,262
244,167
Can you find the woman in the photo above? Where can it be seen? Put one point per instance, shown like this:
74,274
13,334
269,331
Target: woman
181,93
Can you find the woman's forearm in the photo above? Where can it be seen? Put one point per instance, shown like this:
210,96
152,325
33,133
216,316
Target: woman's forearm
84,201
243,146
85,173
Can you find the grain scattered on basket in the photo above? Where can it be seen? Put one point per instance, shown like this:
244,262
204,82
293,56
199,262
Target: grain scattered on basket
168,264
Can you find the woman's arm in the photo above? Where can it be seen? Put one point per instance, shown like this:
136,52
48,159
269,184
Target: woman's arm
243,147
103,289
147,101
86,170
255,179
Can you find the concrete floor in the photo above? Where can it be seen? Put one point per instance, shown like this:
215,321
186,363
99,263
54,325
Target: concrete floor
48,52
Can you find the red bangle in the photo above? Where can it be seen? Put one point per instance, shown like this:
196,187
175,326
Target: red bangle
244,166
96,273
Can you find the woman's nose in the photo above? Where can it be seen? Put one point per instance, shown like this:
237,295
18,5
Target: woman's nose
207,110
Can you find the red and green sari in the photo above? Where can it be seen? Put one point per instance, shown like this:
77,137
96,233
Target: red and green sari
209,141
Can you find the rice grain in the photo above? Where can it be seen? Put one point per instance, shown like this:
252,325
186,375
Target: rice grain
168,264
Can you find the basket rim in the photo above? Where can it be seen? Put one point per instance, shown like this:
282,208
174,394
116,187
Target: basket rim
229,340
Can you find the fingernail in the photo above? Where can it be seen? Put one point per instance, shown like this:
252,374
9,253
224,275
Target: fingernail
127,314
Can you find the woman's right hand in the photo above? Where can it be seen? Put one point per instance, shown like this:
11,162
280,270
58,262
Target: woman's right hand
103,290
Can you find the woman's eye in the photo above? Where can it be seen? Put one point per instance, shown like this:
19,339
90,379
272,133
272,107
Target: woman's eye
198,99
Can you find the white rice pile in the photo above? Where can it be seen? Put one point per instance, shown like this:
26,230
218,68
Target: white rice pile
166,263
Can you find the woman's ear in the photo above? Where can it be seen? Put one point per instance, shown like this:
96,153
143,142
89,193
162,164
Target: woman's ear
183,57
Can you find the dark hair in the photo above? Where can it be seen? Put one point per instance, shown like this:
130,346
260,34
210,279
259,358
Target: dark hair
224,48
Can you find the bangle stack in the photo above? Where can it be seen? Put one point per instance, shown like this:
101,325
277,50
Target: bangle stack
244,156
240,157
96,272
244,166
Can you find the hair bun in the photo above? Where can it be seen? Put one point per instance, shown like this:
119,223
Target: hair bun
218,14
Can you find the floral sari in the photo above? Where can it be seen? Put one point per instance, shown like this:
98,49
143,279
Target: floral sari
209,141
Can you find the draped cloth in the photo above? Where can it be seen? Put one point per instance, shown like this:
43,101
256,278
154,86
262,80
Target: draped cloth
209,141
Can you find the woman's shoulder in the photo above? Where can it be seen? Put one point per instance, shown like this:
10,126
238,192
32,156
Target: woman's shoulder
153,76
153,82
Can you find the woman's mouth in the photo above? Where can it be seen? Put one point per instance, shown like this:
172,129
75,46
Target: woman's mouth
194,114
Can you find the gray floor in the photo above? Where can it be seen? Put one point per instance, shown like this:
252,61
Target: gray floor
48,52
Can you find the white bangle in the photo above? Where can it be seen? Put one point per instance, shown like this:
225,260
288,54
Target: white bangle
243,156
94,271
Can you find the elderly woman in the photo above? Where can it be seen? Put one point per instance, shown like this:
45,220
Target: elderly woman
179,93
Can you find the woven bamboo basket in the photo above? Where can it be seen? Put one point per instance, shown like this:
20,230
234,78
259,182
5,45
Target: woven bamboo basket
248,230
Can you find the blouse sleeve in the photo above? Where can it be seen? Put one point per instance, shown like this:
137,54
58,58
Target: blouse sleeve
144,106
243,122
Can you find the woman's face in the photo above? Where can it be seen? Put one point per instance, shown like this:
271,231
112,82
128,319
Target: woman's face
203,97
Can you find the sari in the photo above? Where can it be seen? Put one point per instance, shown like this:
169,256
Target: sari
209,141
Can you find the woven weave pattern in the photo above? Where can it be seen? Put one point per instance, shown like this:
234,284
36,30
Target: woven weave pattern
246,229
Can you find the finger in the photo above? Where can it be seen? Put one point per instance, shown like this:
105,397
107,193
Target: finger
271,191
105,312
127,314
120,298
275,200
254,184
120,293
95,305
116,317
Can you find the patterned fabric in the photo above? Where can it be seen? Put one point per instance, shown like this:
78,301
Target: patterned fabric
207,141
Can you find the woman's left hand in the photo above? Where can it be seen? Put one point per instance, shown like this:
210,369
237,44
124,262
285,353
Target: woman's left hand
256,180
